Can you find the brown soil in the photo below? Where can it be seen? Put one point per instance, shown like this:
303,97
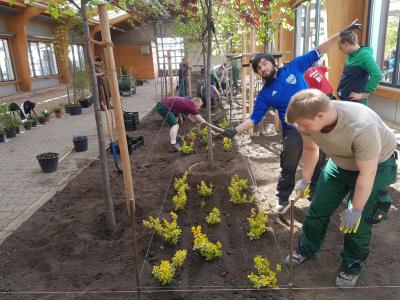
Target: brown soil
65,246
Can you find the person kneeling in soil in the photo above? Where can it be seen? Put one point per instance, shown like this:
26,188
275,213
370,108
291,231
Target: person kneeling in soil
172,108
362,164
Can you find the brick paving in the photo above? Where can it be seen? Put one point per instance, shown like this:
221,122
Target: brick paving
23,187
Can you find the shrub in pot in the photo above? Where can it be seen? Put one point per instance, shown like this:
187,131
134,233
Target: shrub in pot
57,111
40,119
46,116
67,108
33,121
9,125
1,134
28,125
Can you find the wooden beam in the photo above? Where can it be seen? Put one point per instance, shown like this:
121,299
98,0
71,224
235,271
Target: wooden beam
119,118
243,75
251,88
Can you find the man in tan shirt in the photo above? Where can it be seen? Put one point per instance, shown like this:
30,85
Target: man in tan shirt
362,163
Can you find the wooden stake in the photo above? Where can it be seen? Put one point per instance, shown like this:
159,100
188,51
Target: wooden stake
171,76
189,81
251,88
119,118
243,77
291,244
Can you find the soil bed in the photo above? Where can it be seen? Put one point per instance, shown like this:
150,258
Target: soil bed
65,247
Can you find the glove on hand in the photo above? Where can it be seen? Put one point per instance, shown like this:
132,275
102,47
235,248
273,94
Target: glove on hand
231,132
302,188
350,220
350,28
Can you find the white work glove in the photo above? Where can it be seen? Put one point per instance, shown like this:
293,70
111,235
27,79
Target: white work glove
302,188
350,220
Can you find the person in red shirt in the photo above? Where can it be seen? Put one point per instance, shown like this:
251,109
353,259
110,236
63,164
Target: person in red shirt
172,108
315,77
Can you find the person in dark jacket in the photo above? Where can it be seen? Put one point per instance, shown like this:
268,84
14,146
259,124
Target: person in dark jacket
361,75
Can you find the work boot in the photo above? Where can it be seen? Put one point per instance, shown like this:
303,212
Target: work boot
174,148
281,204
179,138
346,279
298,258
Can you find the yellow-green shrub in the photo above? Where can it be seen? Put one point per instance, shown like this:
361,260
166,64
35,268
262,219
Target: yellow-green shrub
165,271
214,217
169,230
187,148
206,248
258,224
238,191
265,276
227,144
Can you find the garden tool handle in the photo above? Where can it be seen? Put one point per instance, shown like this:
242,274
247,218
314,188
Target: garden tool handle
215,127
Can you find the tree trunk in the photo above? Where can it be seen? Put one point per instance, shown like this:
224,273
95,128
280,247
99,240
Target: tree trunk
110,216
207,83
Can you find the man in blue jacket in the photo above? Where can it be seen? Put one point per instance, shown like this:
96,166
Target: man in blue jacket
280,85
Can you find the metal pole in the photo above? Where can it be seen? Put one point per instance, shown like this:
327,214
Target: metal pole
291,242
110,216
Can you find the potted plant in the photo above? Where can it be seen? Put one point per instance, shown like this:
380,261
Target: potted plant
80,84
48,162
1,134
33,121
28,125
9,125
46,116
40,119
17,124
57,111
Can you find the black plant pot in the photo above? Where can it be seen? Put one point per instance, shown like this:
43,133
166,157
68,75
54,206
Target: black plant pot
80,143
48,162
75,110
17,129
34,123
11,133
84,103
67,109
2,138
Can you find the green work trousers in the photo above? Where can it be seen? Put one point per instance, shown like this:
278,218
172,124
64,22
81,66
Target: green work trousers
333,186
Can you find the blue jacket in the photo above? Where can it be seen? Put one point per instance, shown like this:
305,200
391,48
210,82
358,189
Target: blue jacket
289,80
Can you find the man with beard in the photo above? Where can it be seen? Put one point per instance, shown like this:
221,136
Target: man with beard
280,85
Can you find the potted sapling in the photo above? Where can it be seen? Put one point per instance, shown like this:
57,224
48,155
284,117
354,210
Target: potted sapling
57,111
1,134
40,119
46,116
28,125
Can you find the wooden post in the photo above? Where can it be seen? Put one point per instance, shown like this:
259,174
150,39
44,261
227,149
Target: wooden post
171,76
243,77
189,81
119,118
251,88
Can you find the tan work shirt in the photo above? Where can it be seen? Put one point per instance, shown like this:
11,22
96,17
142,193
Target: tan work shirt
360,134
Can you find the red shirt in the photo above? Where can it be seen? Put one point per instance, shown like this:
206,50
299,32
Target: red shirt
316,79
180,105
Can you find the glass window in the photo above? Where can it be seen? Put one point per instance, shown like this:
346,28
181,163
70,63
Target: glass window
42,59
76,56
310,26
6,68
384,38
177,52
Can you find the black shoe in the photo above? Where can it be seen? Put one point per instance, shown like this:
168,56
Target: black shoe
174,148
179,138
282,203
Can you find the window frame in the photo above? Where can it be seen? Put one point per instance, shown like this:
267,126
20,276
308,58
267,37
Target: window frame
81,58
378,45
50,57
7,50
177,44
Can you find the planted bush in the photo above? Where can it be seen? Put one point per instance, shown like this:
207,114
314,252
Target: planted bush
258,224
166,270
169,230
227,144
206,248
204,191
187,147
181,186
238,189
214,217
265,277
